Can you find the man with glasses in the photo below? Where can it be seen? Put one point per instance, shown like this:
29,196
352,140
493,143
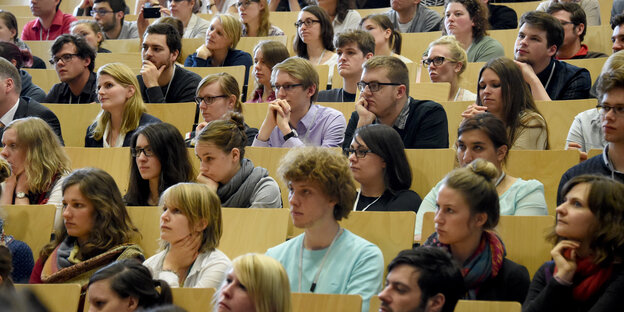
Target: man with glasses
410,16
110,15
353,48
51,22
12,106
384,98
611,110
539,37
573,21
293,119
74,61
161,80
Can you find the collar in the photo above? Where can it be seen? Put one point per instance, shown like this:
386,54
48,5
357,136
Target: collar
543,75
308,119
10,114
401,121
87,89
57,20
607,162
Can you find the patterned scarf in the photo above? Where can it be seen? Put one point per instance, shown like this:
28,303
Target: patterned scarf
483,264
590,275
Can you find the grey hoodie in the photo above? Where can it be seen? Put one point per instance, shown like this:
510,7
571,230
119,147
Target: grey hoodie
29,89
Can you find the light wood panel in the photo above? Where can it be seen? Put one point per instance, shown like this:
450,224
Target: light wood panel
413,45
122,45
594,65
18,11
32,224
193,299
429,166
131,59
468,306
242,226
74,119
181,115
559,116
114,160
147,220
43,78
507,38
237,71
522,7
436,92
56,297
310,302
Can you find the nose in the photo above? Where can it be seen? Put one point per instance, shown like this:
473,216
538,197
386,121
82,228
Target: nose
384,295
468,157
203,167
281,93
438,219
610,115
66,212
4,153
141,157
293,199
227,290
165,216
352,157
561,209
617,45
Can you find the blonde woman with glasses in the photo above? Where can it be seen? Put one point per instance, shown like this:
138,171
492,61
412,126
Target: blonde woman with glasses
445,62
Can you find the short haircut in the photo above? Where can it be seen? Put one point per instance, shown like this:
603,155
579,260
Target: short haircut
617,21
327,32
490,125
478,14
327,168
226,134
606,203
475,182
83,49
609,80
396,70
232,27
383,21
545,22
228,85
10,21
577,14
458,54
300,69
364,40
7,70
437,274
197,203
386,143
174,38
116,5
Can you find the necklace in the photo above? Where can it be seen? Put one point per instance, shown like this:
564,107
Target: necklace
500,179
357,200
550,76
321,58
318,273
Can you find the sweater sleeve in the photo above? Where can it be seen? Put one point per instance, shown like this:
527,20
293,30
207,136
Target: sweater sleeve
366,277
530,200
546,295
266,194
432,128
350,130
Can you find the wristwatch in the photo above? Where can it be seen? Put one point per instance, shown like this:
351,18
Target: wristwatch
292,134
20,195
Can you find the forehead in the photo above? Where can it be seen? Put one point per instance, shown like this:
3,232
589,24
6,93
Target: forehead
305,183
439,50
562,15
614,97
531,30
448,195
10,135
284,77
488,75
358,142
455,6
206,148
155,40
69,47
369,22
303,15
475,136
102,78
405,274
618,30
210,89
580,191
82,27
216,23
142,140
102,5
375,74
350,46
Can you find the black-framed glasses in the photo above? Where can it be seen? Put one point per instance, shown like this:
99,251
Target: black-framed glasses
245,4
100,12
359,153
136,151
308,22
437,61
374,86
65,58
604,109
208,99
286,88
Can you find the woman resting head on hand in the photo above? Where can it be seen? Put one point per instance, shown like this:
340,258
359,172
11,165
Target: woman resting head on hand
190,230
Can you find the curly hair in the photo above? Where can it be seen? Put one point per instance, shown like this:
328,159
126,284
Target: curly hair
112,225
327,32
606,203
478,14
327,168
45,157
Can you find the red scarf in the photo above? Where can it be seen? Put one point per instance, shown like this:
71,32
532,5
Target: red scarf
591,275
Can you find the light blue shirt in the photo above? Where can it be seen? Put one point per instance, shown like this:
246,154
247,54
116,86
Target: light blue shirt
354,266
523,198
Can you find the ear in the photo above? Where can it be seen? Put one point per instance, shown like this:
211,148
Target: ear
388,33
579,29
13,33
88,61
119,15
311,90
99,37
480,219
133,303
201,225
435,303
174,56
458,67
552,50
235,154
501,152
401,92
368,56
231,101
130,91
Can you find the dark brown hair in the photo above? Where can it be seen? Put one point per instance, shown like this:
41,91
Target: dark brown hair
478,14
327,32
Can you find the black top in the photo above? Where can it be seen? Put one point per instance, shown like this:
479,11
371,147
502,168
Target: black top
546,294
145,120
502,17
426,127
568,82
233,58
60,93
511,284
335,95
31,108
405,200
181,90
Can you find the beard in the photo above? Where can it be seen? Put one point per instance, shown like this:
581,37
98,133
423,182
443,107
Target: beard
106,27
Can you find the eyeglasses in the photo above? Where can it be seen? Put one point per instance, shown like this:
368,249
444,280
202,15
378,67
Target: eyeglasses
604,109
208,99
308,22
244,4
147,151
65,58
100,12
374,86
287,87
437,61
359,153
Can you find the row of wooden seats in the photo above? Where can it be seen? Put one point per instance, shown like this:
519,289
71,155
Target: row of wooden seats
66,297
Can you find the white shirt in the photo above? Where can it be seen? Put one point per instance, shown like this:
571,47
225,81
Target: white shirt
207,271
8,117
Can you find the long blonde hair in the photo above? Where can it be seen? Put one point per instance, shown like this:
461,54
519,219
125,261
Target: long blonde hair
45,157
134,107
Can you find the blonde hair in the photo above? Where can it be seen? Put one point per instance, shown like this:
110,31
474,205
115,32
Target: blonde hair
197,203
325,167
266,282
265,25
45,157
300,69
396,70
134,106
231,26
227,84
458,54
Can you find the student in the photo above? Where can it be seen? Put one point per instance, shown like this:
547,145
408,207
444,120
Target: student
161,80
184,10
384,89
51,22
74,61
413,16
590,7
586,273
293,119
314,37
110,15
254,15
548,78
422,279
573,22
353,48
617,38
267,53
387,39
91,32
445,62
326,258
341,14
468,211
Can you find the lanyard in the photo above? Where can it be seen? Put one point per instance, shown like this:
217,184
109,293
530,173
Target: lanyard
318,273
